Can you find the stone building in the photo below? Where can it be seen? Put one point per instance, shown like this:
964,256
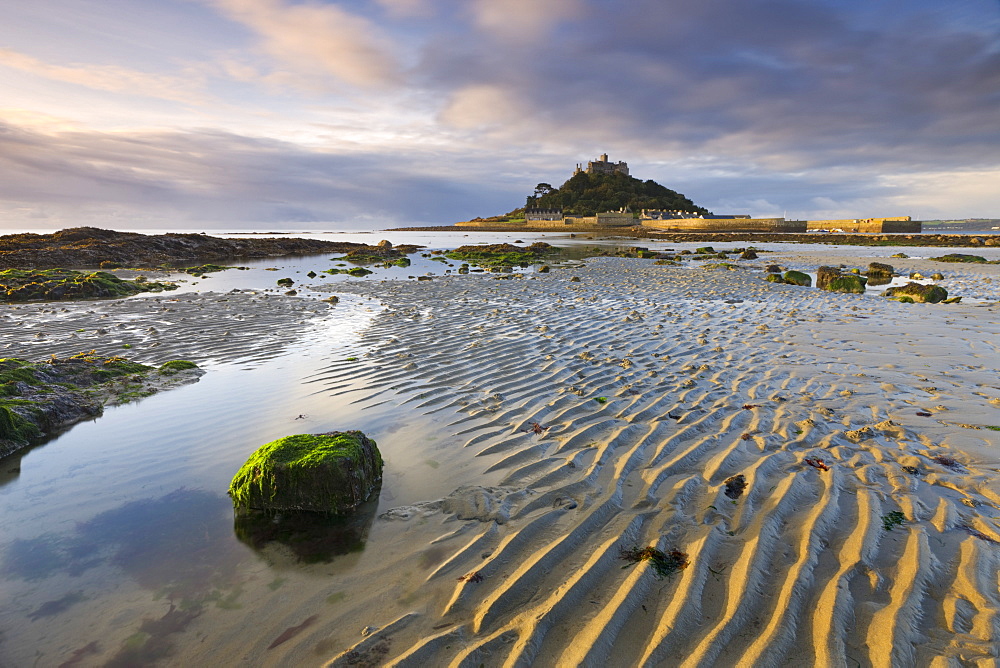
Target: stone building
602,166
535,215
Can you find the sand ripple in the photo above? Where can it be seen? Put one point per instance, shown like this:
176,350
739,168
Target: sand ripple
650,387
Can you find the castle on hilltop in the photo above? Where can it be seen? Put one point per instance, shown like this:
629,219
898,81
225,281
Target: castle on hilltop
602,166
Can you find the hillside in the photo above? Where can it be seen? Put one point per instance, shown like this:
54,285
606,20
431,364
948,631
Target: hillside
587,194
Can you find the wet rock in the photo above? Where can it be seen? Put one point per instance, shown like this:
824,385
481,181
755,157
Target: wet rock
797,278
824,275
848,283
748,254
930,294
330,473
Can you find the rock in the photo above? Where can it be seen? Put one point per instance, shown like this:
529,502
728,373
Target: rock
705,250
544,269
929,294
574,279
847,283
748,254
900,255
774,278
880,270
287,282
797,278
329,473
916,275
960,257
311,274
937,276
824,275
384,244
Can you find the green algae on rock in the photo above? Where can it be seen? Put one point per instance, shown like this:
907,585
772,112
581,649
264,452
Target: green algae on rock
919,293
329,473
797,278
39,398
503,255
962,257
849,283
21,285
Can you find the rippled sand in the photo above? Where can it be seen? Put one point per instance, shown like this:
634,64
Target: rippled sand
706,375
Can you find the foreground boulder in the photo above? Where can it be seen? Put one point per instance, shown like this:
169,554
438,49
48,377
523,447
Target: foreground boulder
330,473
922,294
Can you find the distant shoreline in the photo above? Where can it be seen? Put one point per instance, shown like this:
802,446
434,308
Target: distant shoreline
923,239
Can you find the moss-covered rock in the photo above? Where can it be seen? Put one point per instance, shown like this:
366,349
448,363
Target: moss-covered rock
329,473
923,294
503,255
961,257
880,270
774,278
797,278
849,283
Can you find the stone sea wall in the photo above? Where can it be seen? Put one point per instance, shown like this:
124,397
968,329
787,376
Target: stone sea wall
888,225
727,225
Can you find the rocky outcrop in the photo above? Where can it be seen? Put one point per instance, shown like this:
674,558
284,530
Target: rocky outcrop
20,285
329,473
91,246
39,398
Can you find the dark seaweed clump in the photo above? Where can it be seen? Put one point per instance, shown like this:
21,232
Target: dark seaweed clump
664,564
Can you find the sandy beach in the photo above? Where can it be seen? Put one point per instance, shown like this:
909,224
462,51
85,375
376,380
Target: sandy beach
537,426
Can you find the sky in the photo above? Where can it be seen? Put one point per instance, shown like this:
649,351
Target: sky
367,114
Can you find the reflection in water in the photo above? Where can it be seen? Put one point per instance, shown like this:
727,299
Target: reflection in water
879,280
178,546
312,537
173,544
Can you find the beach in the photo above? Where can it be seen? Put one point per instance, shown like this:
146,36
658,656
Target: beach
536,428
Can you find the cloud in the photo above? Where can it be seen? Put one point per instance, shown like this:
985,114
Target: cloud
112,78
220,177
316,38
522,20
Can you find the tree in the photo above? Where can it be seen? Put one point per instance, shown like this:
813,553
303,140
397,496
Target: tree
543,189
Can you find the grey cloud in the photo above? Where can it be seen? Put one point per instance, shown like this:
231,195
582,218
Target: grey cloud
227,178
797,84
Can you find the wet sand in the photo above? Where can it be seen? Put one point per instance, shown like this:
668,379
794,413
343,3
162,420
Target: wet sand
650,386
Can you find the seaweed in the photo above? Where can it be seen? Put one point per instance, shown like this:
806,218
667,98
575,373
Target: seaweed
735,486
537,428
948,462
817,464
665,564
890,520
